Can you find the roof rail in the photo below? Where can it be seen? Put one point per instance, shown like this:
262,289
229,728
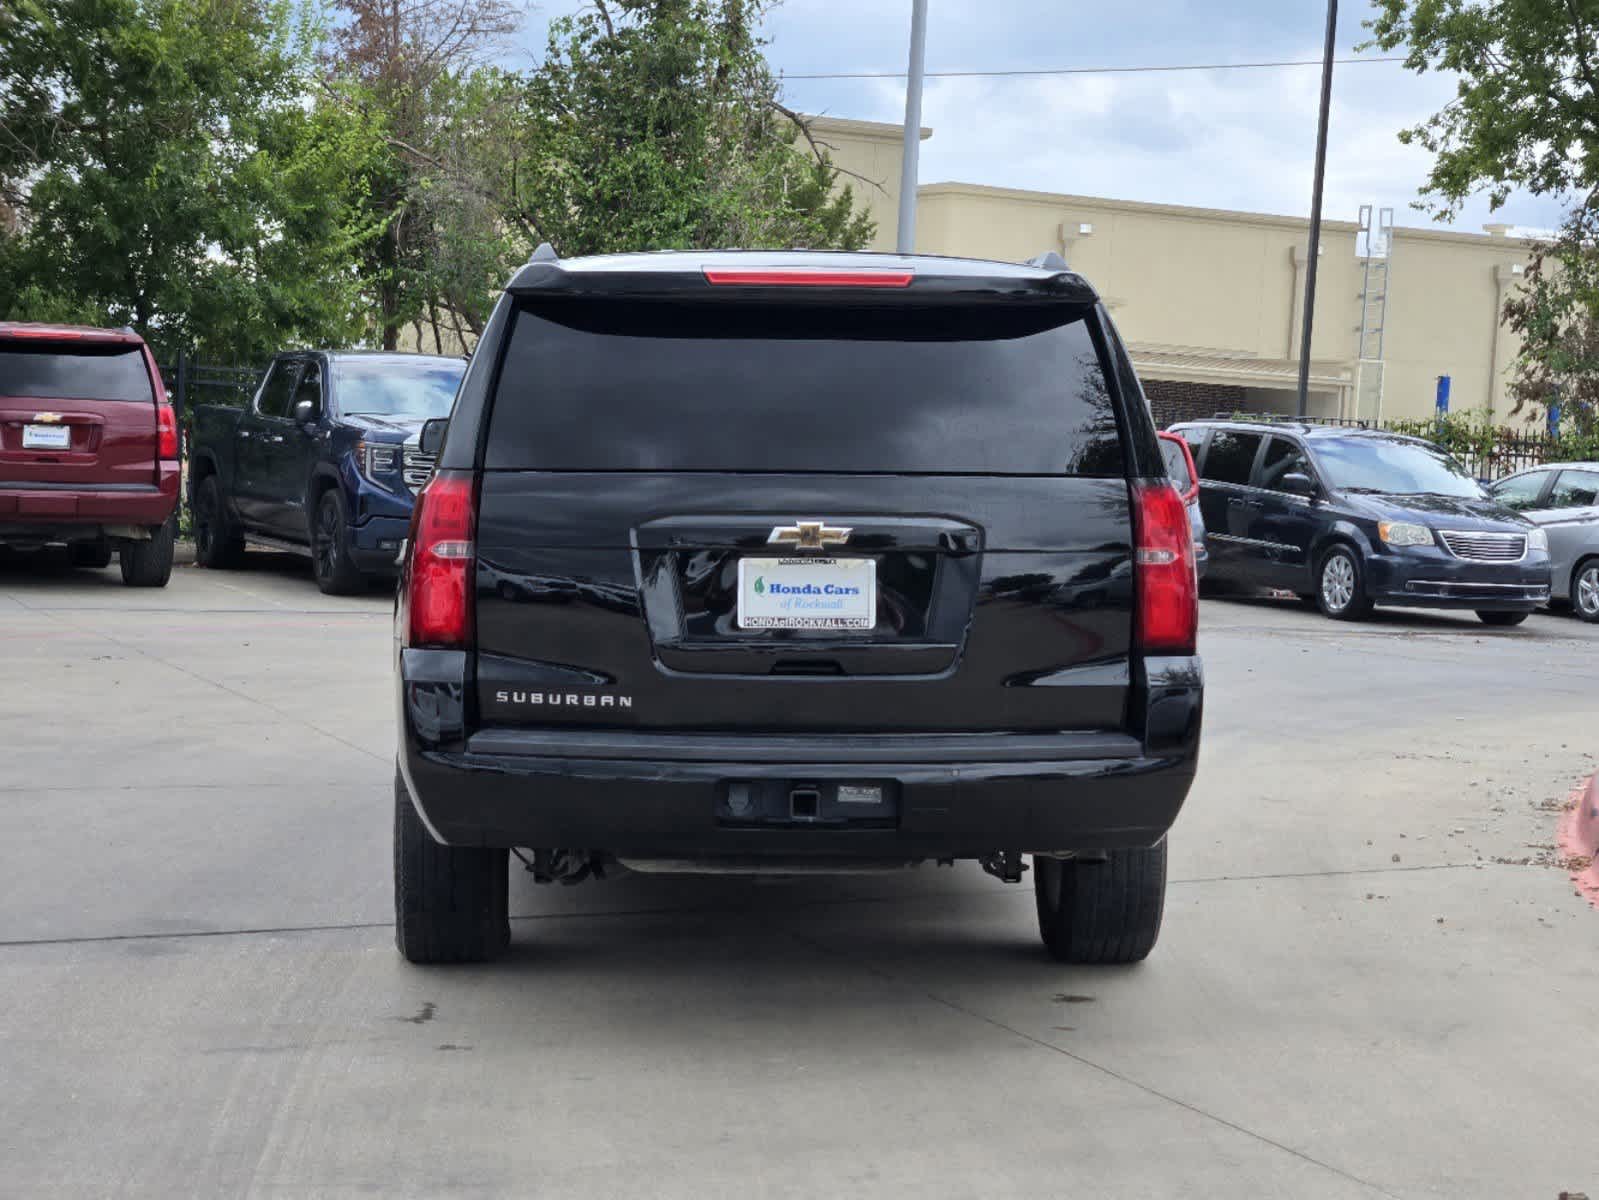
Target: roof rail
544,253
1048,261
1290,419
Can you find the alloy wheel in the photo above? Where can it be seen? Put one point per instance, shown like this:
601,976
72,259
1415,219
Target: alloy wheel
326,542
1587,591
1338,582
204,526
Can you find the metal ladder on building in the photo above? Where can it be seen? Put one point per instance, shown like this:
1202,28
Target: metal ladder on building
1376,244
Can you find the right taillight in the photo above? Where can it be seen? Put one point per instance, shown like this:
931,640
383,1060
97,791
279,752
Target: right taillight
439,584
1166,586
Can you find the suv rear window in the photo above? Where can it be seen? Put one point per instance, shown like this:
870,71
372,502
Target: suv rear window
110,372
642,386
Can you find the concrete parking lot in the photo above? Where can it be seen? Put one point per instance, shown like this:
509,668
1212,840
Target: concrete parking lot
1373,979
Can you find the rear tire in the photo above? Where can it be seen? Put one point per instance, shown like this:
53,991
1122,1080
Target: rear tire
1502,619
451,903
218,545
149,564
1585,590
93,555
335,574
1341,585
1101,912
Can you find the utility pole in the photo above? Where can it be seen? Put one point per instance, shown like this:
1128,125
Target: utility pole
913,128
1315,205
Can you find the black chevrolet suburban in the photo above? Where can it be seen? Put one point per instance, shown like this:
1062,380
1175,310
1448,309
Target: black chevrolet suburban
793,563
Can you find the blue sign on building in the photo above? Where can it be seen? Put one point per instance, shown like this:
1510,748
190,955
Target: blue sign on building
1443,393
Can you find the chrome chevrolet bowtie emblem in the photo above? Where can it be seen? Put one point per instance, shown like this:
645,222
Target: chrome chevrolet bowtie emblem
808,535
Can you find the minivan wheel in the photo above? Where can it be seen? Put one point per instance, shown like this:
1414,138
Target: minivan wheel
149,563
1101,910
1585,590
1502,618
330,551
217,543
1341,586
94,554
451,903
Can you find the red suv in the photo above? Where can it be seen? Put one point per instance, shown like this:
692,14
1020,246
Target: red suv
88,448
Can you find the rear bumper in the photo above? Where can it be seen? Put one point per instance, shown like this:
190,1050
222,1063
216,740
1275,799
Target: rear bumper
25,509
654,794
1434,579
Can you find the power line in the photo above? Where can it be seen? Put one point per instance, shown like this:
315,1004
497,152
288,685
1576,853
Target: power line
1243,66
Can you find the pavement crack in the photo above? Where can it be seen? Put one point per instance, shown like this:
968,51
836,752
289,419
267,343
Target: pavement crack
1109,1072
1471,866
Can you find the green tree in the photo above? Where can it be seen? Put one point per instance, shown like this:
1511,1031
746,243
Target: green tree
657,124
170,171
415,65
1525,115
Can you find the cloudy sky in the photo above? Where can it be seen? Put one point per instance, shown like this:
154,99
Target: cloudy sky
1224,139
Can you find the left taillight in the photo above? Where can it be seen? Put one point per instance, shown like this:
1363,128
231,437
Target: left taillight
1166,584
166,431
439,583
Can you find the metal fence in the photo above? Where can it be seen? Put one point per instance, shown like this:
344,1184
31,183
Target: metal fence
1511,451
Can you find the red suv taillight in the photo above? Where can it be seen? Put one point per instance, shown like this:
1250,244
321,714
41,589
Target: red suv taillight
439,587
1164,579
166,436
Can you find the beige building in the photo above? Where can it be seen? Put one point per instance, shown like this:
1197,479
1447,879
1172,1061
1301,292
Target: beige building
1210,300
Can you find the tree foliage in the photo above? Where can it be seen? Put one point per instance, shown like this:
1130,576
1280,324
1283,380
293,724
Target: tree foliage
656,124
236,176
1525,115
169,174
417,66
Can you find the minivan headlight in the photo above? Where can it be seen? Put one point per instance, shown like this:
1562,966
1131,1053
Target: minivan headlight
1403,533
1537,539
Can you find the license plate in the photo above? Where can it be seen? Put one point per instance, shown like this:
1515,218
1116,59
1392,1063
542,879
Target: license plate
47,437
807,593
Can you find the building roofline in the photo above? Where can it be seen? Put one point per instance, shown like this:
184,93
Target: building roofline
1060,199
876,131
1460,237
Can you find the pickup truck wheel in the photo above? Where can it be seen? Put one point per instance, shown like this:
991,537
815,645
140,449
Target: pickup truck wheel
217,544
1101,911
451,903
330,555
90,554
149,564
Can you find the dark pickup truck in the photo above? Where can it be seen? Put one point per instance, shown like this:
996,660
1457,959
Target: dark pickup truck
323,460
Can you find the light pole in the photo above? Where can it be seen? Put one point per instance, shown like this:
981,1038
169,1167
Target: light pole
913,128
1315,205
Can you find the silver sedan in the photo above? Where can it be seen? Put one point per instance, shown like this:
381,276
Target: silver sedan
1562,499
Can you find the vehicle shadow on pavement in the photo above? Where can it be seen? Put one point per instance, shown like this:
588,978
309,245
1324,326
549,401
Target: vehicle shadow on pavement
1379,619
932,915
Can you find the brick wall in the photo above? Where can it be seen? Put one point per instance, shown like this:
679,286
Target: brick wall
1172,402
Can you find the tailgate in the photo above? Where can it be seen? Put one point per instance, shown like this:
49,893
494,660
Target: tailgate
989,614
79,414
830,515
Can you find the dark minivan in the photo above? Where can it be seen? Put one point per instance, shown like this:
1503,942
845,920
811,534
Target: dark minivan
795,563
1351,518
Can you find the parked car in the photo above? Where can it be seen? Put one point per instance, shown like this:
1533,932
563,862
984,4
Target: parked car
323,461
870,561
88,449
1185,477
1351,518
1562,499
